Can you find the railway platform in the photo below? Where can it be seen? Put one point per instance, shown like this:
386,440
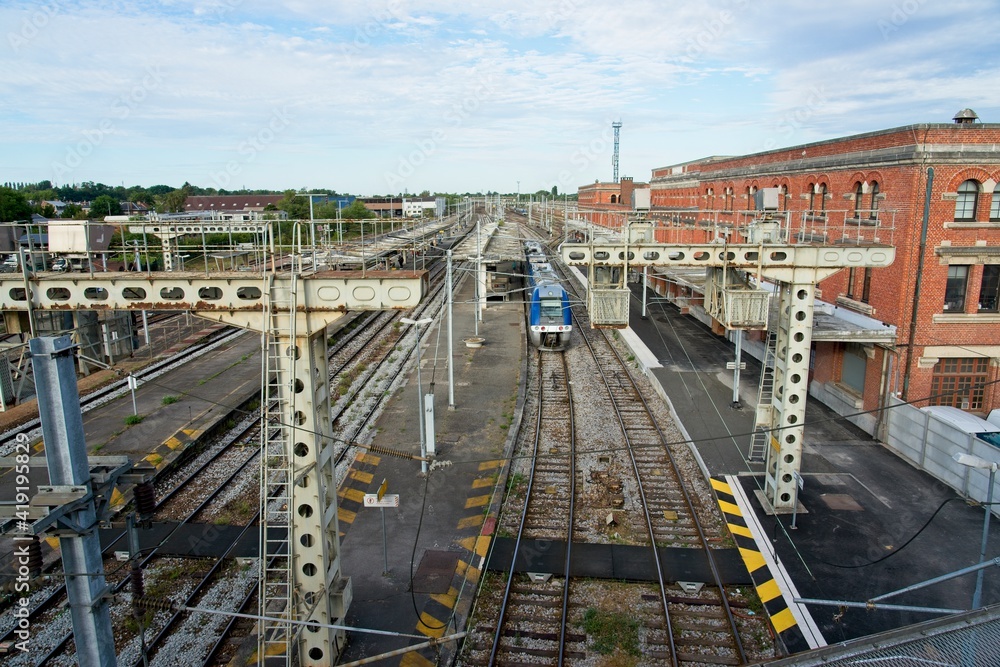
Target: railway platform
872,523
202,394
421,581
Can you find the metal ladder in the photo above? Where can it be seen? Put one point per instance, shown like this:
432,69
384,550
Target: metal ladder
765,393
274,639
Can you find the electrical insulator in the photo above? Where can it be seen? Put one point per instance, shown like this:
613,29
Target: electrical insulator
34,557
155,604
145,498
135,579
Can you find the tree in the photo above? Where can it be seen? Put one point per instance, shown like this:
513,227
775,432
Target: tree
173,201
555,191
48,211
105,205
73,212
13,205
297,208
356,211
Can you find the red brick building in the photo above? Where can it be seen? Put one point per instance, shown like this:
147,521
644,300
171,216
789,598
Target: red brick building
609,196
942,293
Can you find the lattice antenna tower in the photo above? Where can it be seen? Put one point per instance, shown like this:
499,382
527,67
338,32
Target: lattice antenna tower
617,125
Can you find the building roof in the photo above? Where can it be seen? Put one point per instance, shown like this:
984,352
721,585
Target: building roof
230,202
910,132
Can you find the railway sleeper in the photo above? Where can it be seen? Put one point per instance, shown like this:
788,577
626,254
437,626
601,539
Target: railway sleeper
718,642
540,653
706,659
547,636
691,625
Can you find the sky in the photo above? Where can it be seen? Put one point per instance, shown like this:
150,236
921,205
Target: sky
395,96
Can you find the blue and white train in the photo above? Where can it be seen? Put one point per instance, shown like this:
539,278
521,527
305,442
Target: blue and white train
550,321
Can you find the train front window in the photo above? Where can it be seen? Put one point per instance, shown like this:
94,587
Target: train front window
551,308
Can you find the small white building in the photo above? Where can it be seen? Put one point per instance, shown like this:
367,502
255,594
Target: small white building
427,207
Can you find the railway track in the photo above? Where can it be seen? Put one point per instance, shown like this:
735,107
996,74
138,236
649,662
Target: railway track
556,621
533,615
694,633
109,392
215,463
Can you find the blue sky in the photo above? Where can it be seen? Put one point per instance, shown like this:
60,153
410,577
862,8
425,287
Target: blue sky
394,95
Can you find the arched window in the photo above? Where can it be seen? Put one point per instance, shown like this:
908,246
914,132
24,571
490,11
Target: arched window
614,199
995,205
817,193
874,207
751,201
859,196
783,193
710,199
968,198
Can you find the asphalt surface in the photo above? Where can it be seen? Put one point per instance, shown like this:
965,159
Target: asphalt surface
874,524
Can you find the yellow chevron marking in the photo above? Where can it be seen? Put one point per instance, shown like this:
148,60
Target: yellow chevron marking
276,648
483,483
463,569
730,508
174,443
192,433
53,542
721,486
477,501
361,476
414,659
370,459
473,521
356,495
483,545
783,620
346,516
768,590
117,498
447,599
743,531
754,561
430,626
490,465
38,446
154,459
478,545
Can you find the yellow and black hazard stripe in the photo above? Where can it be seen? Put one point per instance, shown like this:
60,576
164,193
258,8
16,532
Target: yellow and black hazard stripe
782,619
475,533
351,495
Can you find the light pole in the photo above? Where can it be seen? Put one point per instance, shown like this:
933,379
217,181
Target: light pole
972,461
420,390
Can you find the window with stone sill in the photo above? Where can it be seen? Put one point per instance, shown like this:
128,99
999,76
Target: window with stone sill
968,198
989,289
956,288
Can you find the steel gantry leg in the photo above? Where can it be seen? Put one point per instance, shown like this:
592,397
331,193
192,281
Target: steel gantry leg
315,588
791,387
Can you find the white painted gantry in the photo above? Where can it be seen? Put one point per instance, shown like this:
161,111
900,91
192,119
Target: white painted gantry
298,478
731,299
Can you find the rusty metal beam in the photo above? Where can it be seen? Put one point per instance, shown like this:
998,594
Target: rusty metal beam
217,292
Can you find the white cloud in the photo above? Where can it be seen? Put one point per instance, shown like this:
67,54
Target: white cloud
526,89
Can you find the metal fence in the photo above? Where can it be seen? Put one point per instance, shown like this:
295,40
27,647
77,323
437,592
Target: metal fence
929,443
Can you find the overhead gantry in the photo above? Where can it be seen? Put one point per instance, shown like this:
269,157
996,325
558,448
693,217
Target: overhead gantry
298,483
735,298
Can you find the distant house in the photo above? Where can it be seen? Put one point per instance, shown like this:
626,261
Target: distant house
130,208
230,203
417,207
57,204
